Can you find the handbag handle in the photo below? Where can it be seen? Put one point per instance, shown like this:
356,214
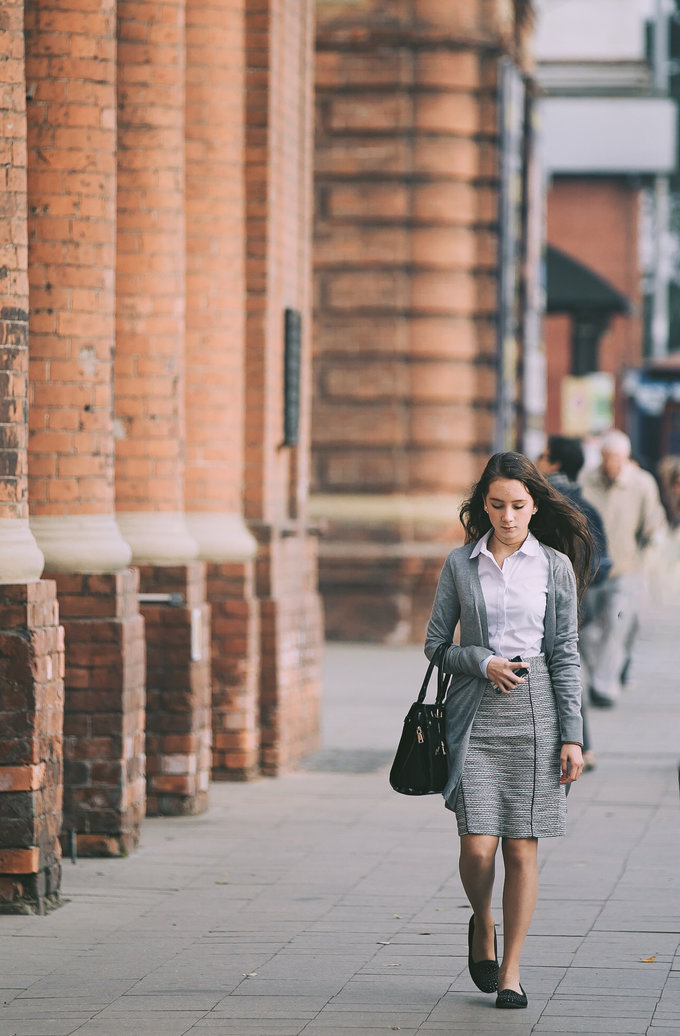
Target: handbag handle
443,679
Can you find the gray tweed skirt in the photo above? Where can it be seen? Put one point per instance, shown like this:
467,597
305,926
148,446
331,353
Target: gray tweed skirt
510,784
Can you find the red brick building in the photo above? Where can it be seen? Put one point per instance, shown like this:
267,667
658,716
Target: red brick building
155,222
160,618
411,153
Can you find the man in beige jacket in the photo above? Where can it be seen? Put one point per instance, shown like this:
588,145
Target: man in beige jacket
628,501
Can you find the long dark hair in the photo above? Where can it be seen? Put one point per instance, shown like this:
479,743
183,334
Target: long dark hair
557,522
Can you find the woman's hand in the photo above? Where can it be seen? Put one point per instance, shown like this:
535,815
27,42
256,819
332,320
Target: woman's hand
571,763
501,672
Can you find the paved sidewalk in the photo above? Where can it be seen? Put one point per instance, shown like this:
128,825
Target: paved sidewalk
323,904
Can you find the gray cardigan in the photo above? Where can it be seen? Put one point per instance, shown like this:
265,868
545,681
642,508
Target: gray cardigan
459,598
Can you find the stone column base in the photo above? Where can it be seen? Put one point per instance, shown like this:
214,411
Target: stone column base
178,734
32,706
104,786
235,636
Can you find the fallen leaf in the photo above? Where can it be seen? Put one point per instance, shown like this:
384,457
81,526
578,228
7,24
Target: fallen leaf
249,974
424,933
647,960
398,916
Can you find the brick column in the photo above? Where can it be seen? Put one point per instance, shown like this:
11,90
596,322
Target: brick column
215,370
150,386
178,690
405,277
32,706
31,641
278,191
70,65
20,558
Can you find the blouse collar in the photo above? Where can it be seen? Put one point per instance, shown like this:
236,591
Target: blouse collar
531,546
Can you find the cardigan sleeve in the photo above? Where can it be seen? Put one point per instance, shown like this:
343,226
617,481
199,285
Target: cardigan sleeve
564,663
442,625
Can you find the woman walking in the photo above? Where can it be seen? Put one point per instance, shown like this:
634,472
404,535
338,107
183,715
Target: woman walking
513,712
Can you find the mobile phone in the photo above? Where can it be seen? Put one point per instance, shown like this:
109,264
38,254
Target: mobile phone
519,672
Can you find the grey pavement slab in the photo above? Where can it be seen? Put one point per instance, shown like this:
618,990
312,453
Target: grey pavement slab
322,904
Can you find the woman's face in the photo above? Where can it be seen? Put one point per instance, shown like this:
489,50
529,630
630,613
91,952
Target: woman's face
510,508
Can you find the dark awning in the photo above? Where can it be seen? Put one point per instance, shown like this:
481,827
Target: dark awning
575,288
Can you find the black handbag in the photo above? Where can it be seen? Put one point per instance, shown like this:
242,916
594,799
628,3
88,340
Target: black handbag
420,765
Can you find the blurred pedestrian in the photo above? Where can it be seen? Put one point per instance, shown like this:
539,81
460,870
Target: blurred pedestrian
628,501
561,463
513,712
669,479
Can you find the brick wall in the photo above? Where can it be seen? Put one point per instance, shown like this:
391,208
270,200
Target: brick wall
216,370
178,720
406,227
215,273
125,184
13,266
596,222
278,198
557,330
104,713
31,641
235,646
71,116
70,74
278,241
31,704
150,267
292,637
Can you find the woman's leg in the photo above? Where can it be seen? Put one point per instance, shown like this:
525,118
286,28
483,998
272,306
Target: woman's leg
520,891
477,870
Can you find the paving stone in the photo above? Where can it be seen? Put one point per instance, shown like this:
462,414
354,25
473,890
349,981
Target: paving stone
120,1023
249,1027
341,900
623,1025
55,1026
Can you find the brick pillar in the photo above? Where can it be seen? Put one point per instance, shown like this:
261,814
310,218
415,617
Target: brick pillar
178,689
31,641
104,750
150,386
70,65
405,278
20,558
32,706
215,370
278,194
235,626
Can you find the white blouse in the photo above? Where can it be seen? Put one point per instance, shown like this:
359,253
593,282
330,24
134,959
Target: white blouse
515,598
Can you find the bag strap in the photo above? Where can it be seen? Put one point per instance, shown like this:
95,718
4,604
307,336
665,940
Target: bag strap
443,679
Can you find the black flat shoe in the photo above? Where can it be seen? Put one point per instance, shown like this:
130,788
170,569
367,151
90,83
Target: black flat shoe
484,974
510,998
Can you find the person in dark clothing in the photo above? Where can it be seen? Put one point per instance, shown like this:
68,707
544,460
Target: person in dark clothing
560,463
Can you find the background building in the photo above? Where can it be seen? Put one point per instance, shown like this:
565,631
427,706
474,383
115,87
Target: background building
608,142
